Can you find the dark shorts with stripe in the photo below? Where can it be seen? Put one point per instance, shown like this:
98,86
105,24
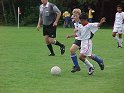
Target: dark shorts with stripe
77,42
49,30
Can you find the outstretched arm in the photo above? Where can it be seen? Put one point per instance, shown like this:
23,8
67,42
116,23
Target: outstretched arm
74,35
101,21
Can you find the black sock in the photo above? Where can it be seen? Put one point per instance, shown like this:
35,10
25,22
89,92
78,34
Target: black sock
58,43
50,48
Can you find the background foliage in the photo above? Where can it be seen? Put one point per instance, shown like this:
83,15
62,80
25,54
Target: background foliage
30,9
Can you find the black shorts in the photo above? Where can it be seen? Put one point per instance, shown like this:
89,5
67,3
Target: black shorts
49,30
77,42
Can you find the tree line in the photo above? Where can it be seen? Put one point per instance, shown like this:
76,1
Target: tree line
30,9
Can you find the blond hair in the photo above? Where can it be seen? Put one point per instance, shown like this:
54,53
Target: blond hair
76,11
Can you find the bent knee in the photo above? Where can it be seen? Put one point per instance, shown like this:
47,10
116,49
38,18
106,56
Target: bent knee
72,50
114,34
82,57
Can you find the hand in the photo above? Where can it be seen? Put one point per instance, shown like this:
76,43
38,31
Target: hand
76,29
55,23
38,28
103,20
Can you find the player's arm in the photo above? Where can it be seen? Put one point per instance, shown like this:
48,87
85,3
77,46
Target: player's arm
101,21
39,23
40,19
74,35
58,12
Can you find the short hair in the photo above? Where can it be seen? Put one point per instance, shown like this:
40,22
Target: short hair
83,16
77,10
120,6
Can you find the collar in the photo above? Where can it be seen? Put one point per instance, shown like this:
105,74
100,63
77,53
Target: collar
120,12
45,5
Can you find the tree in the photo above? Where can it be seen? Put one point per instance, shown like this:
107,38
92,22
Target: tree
4,14
14,10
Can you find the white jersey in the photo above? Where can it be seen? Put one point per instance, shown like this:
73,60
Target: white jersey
119,17
78,33
88,30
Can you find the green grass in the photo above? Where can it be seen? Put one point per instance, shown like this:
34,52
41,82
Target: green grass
25,64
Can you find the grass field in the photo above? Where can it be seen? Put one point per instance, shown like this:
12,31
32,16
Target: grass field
25,64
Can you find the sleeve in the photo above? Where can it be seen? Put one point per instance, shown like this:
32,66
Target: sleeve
94,27
40,11
56,10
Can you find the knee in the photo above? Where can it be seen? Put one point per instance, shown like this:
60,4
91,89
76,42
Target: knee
51,41
81,57
47,42
120,35
72,51
113,34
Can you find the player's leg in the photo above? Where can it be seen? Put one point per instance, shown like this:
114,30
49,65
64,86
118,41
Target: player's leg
120,40
86,50
115,35
89,66
52,35
46,37
98,60
73,50
62,46
49,45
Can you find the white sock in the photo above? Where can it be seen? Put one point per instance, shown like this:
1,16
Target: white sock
87,63
120,41
116,38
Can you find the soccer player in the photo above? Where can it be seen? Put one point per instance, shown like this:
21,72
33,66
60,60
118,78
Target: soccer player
66,16
87,32
90,14
76,45
49,17
118,26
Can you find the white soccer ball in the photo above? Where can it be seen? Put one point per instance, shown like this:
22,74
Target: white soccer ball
55,70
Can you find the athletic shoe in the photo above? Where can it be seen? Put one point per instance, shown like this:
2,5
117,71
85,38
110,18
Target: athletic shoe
75,69
119,46
62,49
51,54
91,71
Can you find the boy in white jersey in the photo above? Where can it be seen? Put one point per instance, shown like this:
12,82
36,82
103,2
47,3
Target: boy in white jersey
76,45
118,25
87,31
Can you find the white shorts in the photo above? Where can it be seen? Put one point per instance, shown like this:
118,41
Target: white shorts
118,30
86,47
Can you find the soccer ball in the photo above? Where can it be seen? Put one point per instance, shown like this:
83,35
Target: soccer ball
55,70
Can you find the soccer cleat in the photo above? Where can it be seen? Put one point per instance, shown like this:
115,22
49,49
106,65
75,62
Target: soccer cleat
91,71
62,49
119,46
51,54
75,69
